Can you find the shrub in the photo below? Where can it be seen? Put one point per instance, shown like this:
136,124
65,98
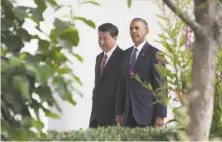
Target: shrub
117,134
113,134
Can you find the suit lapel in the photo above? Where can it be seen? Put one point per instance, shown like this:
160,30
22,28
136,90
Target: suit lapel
142,56
127,60
110,62
98,62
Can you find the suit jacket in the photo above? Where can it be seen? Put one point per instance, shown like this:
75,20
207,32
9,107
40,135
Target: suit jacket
104,92
130,91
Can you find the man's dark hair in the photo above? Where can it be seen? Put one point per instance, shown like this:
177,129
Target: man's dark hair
108,27
141,20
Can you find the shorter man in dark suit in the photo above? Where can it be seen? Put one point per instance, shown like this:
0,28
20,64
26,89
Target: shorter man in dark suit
134,103
106,77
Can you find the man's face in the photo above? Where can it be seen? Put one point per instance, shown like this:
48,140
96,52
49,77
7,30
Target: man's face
138,32
106,41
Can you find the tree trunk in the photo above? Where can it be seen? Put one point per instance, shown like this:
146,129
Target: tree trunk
204,68
202,94
207,28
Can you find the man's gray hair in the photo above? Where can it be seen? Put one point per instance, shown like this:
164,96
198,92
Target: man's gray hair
141,20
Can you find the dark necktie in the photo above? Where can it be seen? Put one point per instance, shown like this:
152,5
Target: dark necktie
133,58
102,65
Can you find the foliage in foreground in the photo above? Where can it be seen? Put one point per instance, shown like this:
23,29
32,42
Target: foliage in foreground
113,133
118,134
30,79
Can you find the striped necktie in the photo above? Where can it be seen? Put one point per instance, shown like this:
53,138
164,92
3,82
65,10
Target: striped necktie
133,58
102,65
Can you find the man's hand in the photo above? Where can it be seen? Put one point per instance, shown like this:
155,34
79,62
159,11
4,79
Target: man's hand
159,122
119,120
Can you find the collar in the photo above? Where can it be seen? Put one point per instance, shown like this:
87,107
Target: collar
139,47
110,52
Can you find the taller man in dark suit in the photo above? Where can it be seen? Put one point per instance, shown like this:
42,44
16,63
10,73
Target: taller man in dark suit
134,103
106,77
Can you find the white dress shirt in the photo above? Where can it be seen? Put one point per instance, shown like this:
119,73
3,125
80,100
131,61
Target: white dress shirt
139,48
109,54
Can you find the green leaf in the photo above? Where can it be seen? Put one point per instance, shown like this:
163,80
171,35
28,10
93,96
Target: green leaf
43,46
65,70
51,114
35,37
52,3
77,79
129,3
167,46
36,106
25,110
36,15
69,98
181,25
162,36
4,125
162,69
61,86
91,2
53,35
94,3
14,46
137,77
3,51
67,44
60,25
86,21
70,35
182,41
173,33
33,70
44,93
162,26
23,134
60,57
78,57
22,83
41,4
16,101
6,24
26,122
14,61
149,86
35,59
24,35
21,12
46,72
4,65
162,17
38,124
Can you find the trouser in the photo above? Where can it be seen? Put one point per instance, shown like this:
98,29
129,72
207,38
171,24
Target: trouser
131,122
95,124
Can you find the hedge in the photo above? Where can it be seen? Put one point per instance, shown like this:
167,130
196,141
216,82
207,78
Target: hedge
117,134
113,134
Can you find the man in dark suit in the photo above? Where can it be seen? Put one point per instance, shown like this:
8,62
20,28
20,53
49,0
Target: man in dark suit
134,103
106,77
